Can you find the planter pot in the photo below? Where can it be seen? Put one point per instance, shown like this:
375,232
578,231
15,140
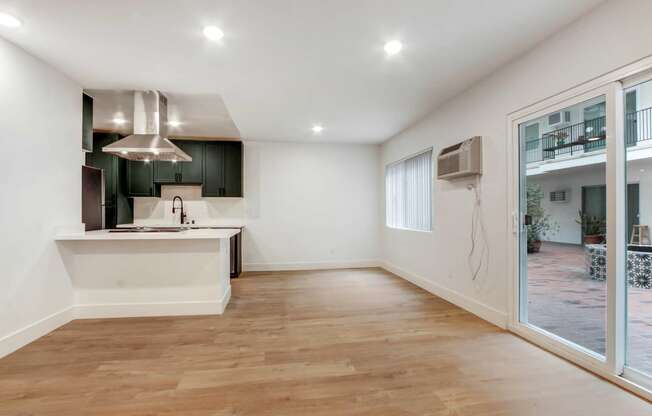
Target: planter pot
533,246
593,239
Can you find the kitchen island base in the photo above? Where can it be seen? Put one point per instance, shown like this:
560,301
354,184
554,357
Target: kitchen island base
115,276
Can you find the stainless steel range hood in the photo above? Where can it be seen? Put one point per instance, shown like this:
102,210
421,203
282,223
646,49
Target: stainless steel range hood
149,141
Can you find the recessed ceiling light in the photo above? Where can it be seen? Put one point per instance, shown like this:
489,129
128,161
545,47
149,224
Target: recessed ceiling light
317,128
9,20
124,152
146,160
393,47
174,123
119,121
213,33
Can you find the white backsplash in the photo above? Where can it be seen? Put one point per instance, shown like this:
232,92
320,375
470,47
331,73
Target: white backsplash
204,211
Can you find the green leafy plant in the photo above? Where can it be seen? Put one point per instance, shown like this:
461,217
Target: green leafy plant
591,225
540,225
561,138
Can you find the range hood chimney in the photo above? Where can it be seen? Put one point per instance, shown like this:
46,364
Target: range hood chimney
149,141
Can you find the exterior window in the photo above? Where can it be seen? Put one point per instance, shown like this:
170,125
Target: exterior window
408,186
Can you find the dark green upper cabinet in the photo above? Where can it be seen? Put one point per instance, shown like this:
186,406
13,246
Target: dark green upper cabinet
217,166
191,172
87,123
232,169
166,172
214,169
223,169
140,178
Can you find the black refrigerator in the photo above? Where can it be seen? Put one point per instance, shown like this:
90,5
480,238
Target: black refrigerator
92,198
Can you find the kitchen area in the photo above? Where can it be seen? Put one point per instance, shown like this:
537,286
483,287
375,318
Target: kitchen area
150,245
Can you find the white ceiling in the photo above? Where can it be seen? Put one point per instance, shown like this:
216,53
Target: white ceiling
284,65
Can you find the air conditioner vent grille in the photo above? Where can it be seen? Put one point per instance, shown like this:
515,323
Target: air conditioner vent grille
559,196
448,165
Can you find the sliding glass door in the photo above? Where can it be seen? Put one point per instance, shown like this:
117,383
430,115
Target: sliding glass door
563,205
584,228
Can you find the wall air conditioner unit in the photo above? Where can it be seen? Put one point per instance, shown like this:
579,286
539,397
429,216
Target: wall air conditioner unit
560,117
460,160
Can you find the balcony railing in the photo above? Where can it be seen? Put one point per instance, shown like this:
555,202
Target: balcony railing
587,136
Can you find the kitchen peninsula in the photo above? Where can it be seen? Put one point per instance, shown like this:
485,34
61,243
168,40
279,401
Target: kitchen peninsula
155,272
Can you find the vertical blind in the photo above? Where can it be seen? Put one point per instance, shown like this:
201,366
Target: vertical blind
408,202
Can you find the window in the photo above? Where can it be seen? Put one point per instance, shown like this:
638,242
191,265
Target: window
408,203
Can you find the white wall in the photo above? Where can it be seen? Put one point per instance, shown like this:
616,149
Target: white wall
40,133
304,205
619,32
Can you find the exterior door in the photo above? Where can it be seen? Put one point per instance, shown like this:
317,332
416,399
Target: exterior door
562,285
632,208
594,208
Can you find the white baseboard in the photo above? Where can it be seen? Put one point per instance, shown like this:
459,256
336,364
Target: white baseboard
320,265
131,310
32,332
479,309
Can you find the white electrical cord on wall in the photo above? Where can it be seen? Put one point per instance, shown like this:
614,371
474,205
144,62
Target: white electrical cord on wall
479,255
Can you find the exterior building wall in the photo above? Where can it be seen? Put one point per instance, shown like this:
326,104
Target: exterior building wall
564,214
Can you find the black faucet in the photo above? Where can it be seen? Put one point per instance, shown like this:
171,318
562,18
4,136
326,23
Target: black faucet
174,208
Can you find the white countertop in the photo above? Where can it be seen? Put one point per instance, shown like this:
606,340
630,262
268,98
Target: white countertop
220,224
201,234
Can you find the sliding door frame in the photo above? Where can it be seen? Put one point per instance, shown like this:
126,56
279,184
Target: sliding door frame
629,372
612,366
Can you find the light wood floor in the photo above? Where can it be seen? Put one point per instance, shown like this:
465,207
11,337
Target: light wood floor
349,342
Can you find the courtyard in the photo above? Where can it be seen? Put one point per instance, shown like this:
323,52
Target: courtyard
564,300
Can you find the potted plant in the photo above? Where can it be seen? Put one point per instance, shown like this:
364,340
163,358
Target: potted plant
592,227
540,224
561,138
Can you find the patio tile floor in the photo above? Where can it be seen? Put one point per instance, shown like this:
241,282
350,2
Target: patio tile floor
564,300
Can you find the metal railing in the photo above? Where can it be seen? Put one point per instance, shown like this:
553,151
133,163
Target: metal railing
587,136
